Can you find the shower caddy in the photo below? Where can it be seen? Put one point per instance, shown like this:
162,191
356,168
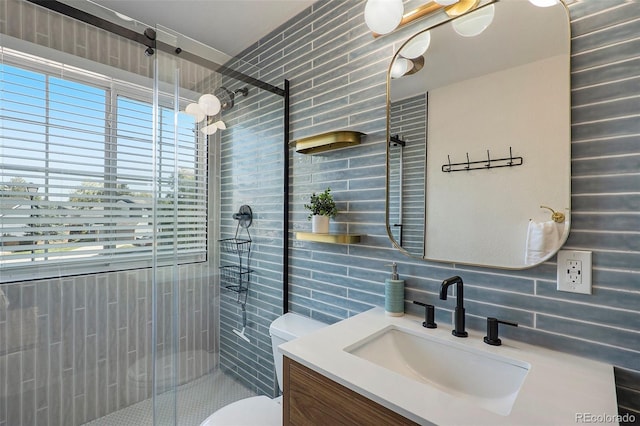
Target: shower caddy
236,277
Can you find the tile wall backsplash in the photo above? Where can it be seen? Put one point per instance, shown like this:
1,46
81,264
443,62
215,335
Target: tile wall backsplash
251,173
78,348
338,71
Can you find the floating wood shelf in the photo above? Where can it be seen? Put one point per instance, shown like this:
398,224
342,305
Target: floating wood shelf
329,238
327,141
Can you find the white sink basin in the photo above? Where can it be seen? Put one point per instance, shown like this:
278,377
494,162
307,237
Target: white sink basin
483,378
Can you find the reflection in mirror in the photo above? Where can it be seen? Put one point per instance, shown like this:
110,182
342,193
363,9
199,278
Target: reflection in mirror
407,151
492,97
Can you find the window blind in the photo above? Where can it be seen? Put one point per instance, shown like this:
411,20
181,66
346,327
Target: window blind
77,188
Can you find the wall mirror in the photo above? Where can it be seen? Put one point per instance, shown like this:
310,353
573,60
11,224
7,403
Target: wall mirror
479,138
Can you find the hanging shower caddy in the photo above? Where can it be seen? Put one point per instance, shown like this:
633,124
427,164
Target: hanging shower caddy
236,277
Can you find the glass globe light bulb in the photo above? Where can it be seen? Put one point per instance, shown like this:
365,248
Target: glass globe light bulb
383,16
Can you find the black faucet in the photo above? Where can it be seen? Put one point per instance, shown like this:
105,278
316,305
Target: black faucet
458,330
429,315
492,331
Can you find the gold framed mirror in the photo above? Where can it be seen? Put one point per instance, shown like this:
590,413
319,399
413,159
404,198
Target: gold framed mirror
479,138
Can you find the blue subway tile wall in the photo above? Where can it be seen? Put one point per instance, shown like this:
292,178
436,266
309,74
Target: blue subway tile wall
338,81
251,173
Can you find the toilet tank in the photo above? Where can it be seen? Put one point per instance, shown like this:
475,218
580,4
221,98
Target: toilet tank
286,328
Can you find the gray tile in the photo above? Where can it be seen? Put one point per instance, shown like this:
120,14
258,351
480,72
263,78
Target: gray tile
605,73
627,338
603,184
604,147
605,55
618,260
605,37
55,384
618,12
66,407
615,280
605,92
604,241
603,222
605,110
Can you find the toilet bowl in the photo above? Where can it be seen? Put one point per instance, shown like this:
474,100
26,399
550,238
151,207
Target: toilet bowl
261,410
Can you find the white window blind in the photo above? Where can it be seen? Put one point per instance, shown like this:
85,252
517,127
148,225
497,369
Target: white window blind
76,180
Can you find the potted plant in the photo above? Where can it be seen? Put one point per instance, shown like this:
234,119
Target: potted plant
322,208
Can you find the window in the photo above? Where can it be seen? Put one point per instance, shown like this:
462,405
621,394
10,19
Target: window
77,182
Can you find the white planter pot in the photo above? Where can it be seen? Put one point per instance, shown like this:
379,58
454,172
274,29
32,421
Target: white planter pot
319,224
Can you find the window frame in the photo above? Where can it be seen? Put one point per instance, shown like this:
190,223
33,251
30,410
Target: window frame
114,88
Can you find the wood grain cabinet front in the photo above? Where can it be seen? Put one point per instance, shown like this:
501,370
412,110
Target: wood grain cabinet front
313,399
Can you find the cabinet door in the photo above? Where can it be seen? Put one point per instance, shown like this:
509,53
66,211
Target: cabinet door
312,399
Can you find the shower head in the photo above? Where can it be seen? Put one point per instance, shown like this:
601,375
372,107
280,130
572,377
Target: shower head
227,97
243,91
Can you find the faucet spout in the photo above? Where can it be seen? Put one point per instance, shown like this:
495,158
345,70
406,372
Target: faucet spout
449,282
458,330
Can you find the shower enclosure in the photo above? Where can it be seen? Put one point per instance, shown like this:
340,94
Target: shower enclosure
113,200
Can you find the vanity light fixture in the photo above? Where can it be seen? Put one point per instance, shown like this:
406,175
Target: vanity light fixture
400,67
410,59
403,66
381,16
207,107
417,46
196,111
475,22
211,128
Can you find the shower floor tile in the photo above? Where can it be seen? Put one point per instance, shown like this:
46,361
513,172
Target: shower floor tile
196,401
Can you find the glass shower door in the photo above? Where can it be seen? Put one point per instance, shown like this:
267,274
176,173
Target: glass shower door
184,316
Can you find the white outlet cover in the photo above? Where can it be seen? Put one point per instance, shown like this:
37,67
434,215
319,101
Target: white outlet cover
583,285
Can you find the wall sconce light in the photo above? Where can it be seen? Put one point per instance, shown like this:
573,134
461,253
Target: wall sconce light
381,16
207,107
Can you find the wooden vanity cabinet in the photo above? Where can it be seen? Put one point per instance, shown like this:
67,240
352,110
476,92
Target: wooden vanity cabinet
309,398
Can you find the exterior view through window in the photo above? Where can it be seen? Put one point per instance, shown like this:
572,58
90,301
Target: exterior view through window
77,180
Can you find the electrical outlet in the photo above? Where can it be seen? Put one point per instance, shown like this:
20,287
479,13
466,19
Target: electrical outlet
574,271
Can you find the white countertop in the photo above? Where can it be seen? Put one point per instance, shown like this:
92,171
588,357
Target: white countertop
558,388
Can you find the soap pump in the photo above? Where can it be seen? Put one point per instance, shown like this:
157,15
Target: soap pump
394,293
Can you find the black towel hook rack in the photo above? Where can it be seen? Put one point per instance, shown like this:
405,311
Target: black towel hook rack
488,163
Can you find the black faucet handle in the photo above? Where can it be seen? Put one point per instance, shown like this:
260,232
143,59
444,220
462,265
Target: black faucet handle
429,315
492,331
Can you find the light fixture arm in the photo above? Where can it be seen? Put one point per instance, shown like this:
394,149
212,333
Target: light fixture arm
452,11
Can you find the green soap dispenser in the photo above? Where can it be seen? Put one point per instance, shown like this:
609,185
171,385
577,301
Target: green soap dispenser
394,293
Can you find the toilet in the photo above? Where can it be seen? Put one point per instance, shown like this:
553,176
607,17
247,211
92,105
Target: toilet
262,410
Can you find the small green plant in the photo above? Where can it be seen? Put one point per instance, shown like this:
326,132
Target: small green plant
322,204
